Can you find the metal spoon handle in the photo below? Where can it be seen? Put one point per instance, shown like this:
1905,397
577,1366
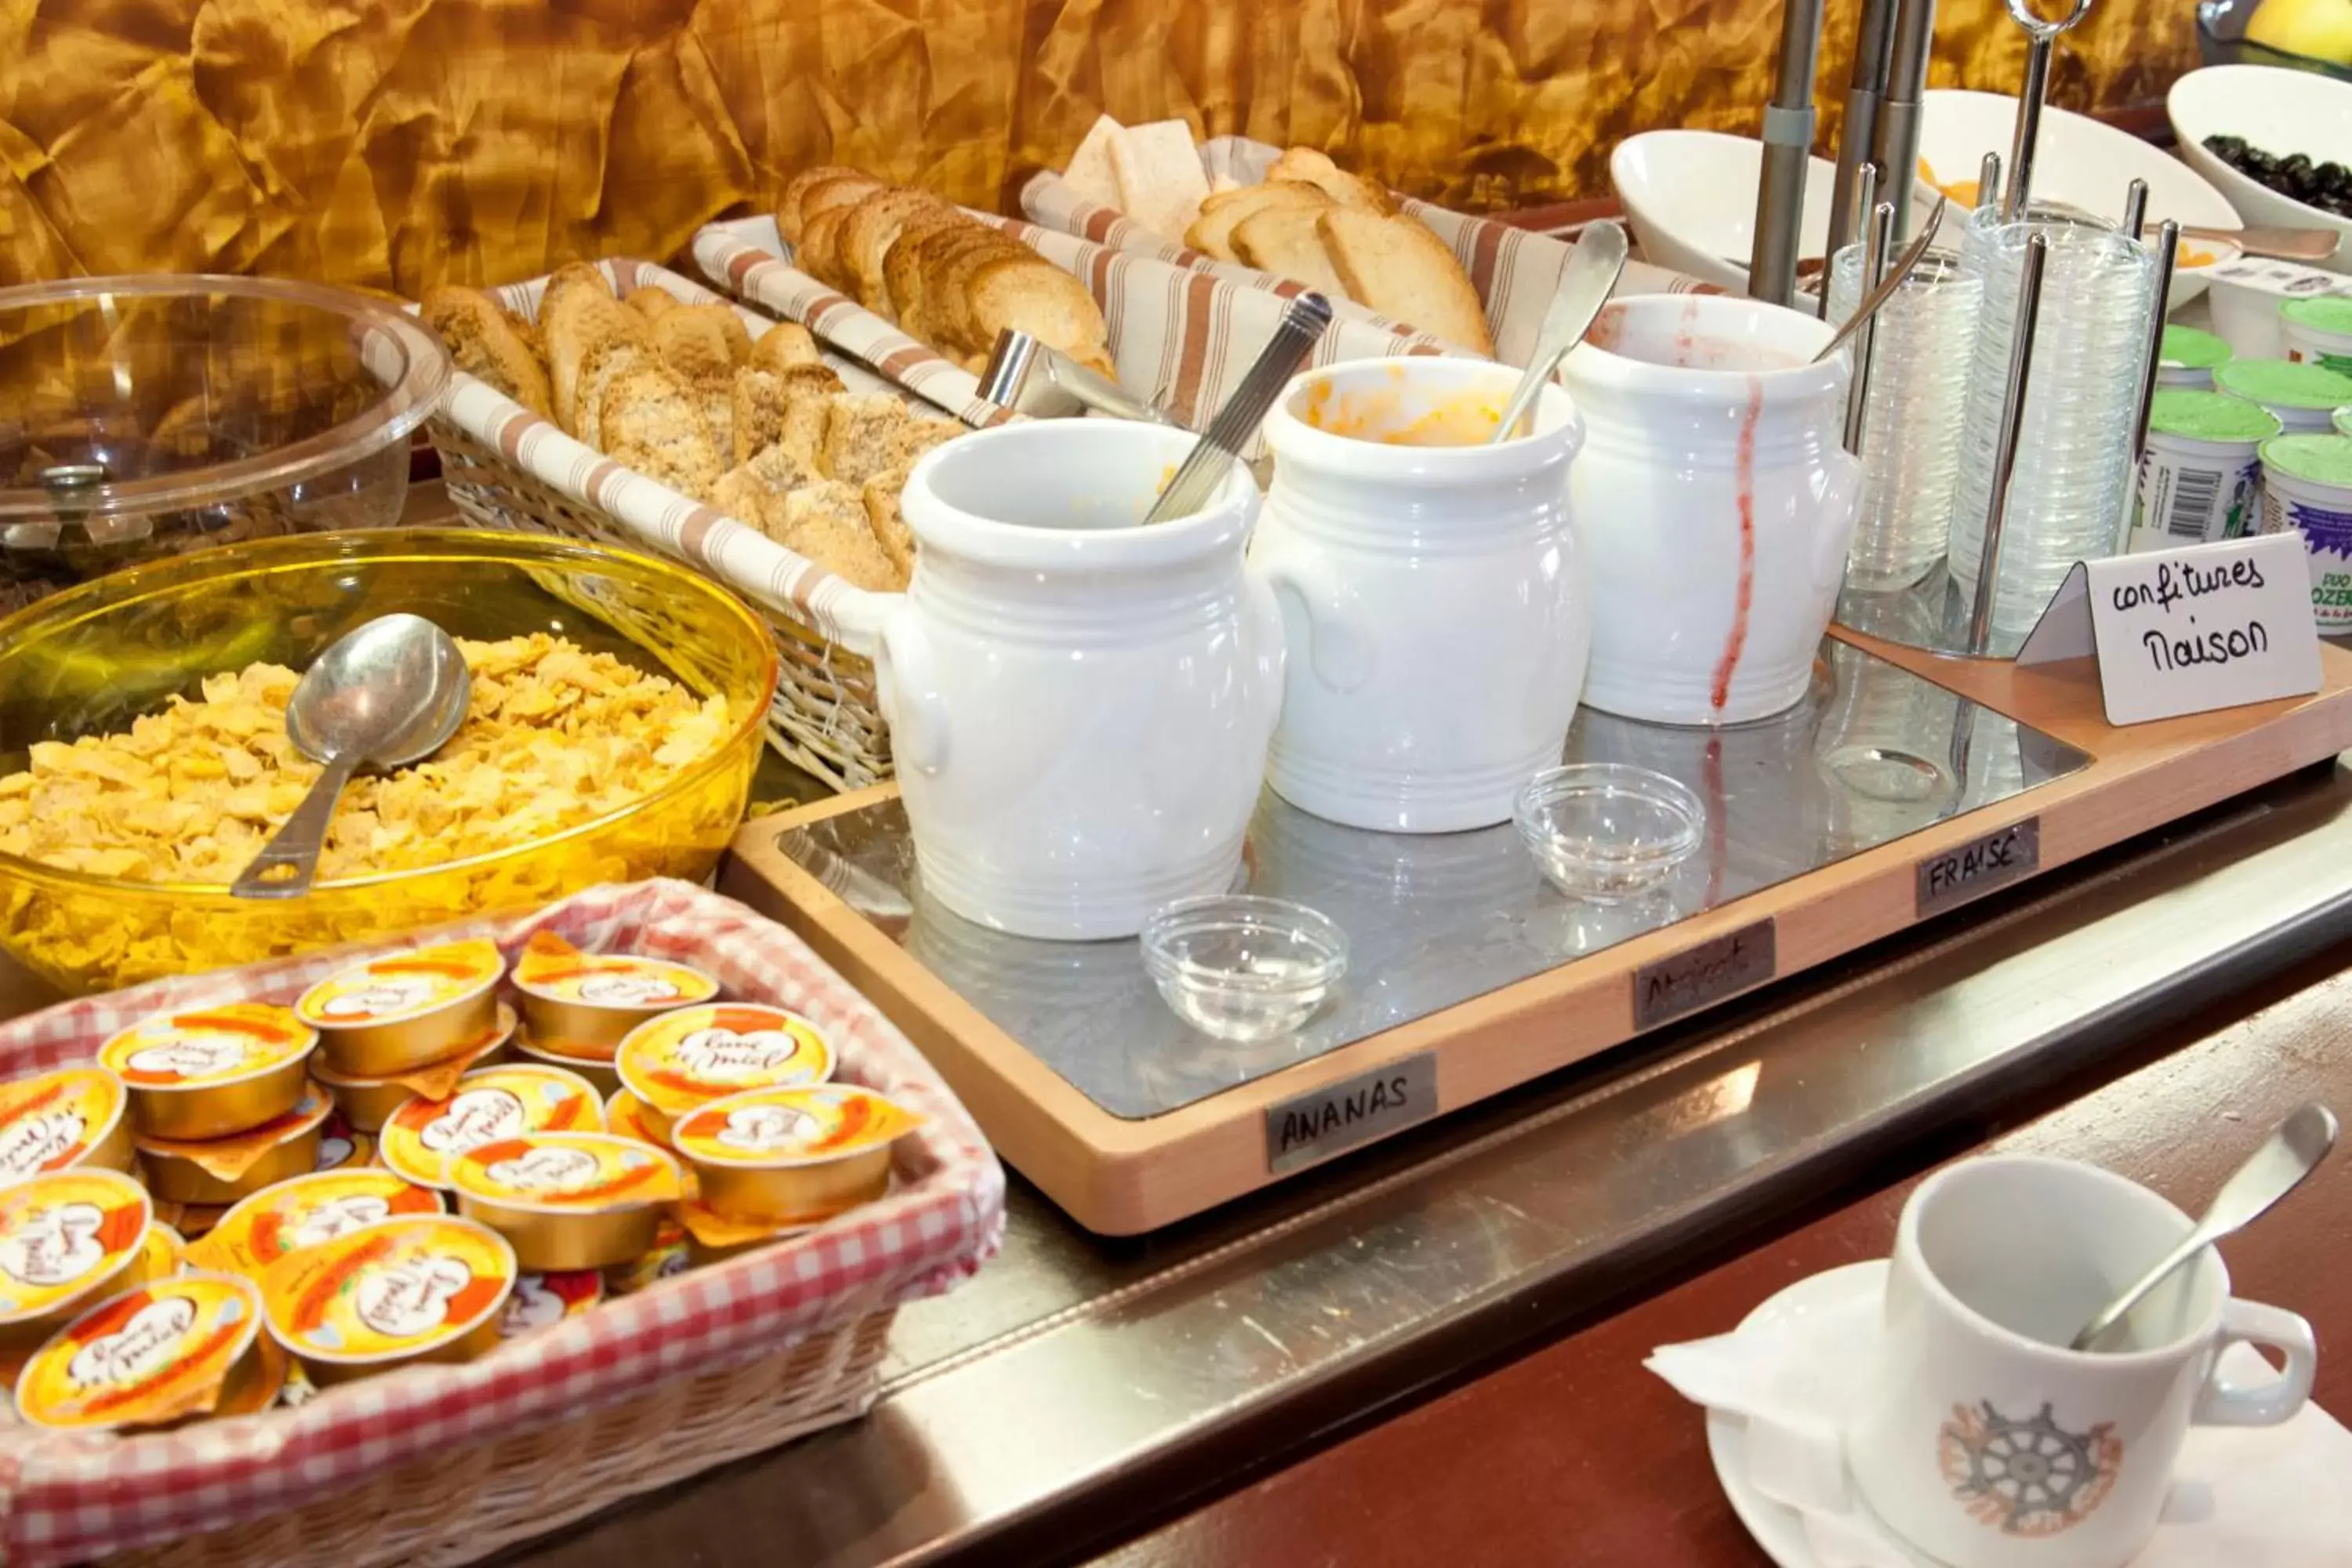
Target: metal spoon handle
1888,285
296,846
1592,270
1204,466
2289,1154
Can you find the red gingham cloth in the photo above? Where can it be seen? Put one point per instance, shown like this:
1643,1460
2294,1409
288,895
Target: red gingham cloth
66,1497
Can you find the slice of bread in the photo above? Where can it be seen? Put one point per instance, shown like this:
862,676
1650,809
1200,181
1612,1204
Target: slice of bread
649,302
871,433
1089,172
701,342
826,522
808,394
757,410
1286,242
790,208
867,234
912,266
654,423
1160,182
487,342
950,292
576,315
1212,234
1304,166
1399,267
901,261
605,362
1027,291
818,253
781,346
889,523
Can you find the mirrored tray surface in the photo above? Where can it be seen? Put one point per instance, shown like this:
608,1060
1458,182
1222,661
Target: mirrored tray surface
1872,753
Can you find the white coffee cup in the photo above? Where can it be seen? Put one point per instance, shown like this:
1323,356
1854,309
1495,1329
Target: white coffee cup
1985,1442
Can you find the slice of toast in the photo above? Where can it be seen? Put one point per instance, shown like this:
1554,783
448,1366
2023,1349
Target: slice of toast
1399,267
826,522
487,342
867,233
1158,171
605,362
1285,241
911,265
654,423
1027,291
889,523
791,212
649,302
1212,234
808,394
575,316
948,292
701,342
781,346
1304,166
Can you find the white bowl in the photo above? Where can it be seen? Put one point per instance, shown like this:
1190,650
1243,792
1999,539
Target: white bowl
2078,161
1691,198
2280,111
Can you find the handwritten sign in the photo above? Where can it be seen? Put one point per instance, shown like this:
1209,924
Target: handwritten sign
1322,1122
2189,630
1703,976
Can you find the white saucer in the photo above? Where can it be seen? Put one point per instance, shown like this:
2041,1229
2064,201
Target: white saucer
1777,1528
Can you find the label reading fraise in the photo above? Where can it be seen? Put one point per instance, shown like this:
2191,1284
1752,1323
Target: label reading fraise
794,1126
153,1355
66,1233
212,1045
582,1171
403,985
683,1059
490,1104
401,1287
52,1122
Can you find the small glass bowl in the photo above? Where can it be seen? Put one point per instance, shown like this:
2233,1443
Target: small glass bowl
1242,968
1606,832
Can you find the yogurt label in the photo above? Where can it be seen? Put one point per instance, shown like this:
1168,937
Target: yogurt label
308,1211
491,1104
395,1290
64,1233
794,1126
216,1045
402,985
682,1059
49,1122
568,1171
553,969
156,1354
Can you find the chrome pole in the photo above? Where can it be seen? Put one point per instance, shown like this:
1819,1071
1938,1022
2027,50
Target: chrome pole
1897,147
1788,145
1872,51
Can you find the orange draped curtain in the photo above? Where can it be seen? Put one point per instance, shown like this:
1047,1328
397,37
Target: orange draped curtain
397,143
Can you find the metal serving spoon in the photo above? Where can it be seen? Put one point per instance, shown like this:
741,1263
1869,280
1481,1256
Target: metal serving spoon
2289,1154
390,693
1888,284
1204,465
1592,270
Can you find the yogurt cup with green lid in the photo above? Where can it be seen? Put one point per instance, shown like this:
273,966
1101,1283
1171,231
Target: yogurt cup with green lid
2319,332
2304,396
2189,357
2307,489
2200,472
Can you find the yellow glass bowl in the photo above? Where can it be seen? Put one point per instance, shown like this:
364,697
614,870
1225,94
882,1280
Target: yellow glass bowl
88,660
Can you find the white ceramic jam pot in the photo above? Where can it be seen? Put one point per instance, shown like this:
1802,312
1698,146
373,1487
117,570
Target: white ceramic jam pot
1080,705
1714,500
1432,594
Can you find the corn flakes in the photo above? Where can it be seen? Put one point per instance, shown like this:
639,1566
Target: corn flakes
555,736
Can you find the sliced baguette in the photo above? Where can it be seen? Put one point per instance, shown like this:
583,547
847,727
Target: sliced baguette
1397,267
1304,166
1212,234
1286,242
790,208
867,233
1027,291
781,346
489,343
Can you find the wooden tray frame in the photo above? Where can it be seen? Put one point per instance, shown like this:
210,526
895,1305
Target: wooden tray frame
1117,1176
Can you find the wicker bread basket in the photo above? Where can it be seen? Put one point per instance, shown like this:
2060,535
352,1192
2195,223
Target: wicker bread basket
508,468
437,1465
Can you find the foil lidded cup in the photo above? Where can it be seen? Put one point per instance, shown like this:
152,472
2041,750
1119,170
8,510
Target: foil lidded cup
582,1005
790,1157
177,1350
211,1072
679,1062
69,1240
569,1201
369,1103
73,1116
213,1171
305,1212
428,1288
490,1104
400,1011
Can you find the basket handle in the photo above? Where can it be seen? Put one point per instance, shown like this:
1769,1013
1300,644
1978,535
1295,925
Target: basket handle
905,680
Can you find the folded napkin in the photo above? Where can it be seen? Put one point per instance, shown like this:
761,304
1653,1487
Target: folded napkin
2260,1497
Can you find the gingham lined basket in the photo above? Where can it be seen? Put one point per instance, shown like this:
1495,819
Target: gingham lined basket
506,467
440,1464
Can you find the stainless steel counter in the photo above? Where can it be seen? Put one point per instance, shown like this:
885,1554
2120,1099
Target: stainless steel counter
1077,1384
